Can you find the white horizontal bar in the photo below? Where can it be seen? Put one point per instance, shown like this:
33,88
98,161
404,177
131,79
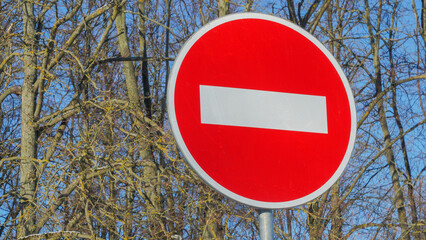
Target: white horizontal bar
263,109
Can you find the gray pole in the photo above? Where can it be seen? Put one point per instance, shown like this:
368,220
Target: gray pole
266,225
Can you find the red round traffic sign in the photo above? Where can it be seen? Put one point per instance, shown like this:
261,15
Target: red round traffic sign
261,110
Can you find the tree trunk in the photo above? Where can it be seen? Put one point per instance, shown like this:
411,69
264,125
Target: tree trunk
336,213
223,6
313,221
149,167
335,48
399,201
143,51
28,181
409,179
213,229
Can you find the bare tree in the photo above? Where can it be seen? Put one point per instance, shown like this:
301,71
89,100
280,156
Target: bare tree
86,149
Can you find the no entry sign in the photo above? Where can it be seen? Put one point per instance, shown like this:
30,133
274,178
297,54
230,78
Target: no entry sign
261,110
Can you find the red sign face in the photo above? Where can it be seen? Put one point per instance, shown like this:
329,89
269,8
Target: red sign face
261,110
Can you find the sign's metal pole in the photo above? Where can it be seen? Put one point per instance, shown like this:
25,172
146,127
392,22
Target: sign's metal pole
266,224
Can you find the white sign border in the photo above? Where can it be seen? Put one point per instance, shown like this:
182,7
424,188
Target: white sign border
186,153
